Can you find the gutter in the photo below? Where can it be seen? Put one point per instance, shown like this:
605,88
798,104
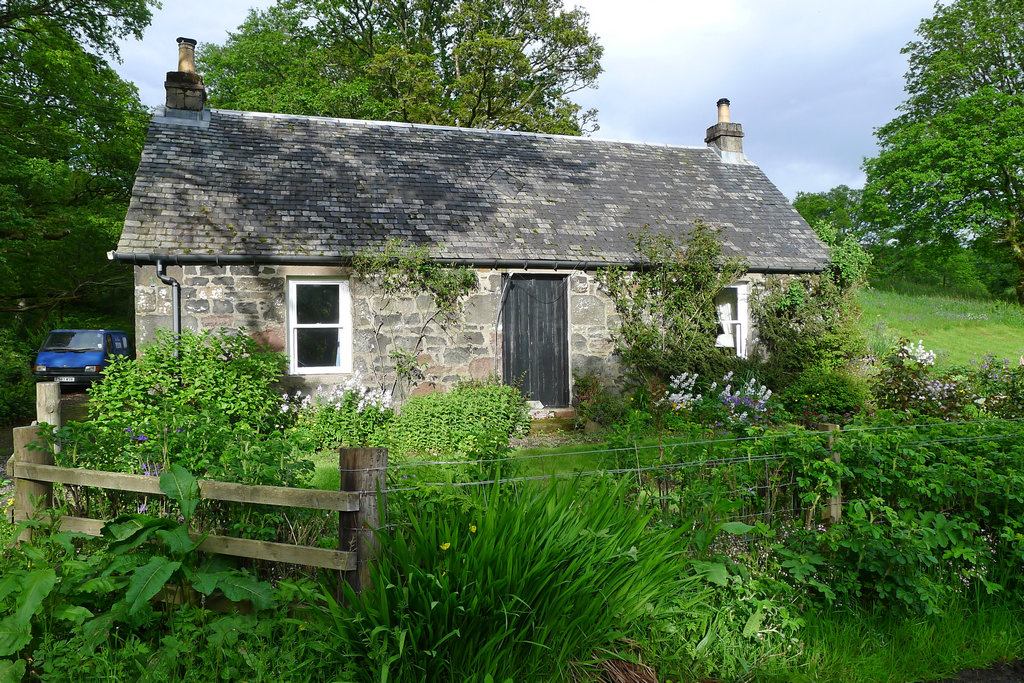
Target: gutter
279,259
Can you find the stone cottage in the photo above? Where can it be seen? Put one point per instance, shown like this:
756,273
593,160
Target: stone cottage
241,219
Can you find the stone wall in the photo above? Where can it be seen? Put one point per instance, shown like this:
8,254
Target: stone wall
253,298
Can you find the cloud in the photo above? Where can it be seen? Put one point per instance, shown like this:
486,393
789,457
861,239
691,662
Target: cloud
146,62
809,80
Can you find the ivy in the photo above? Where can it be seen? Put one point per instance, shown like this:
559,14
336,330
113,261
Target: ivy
406,274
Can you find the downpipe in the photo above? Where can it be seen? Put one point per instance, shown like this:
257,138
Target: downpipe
161,272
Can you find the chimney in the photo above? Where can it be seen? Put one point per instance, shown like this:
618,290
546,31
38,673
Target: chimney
185,89
725,137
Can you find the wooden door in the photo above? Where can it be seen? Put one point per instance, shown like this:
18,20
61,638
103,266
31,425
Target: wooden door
536,337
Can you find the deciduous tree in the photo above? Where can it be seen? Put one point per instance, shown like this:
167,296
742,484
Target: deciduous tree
508,64
950,171
840,207
71,132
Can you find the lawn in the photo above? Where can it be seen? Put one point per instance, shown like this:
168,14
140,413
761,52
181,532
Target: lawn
959,329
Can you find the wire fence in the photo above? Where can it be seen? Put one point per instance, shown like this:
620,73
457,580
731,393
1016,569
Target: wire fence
749,478
675,445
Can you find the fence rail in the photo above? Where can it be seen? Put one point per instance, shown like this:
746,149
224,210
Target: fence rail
362,479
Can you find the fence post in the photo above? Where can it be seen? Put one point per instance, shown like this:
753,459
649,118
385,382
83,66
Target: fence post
363,470
48,403
834,512
29,496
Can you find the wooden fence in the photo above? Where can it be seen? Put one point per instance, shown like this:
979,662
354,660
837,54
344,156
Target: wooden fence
358,503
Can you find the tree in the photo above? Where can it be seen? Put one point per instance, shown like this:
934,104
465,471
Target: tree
950,171
71,132
840,207
508,64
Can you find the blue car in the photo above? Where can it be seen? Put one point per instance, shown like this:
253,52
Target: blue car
77,357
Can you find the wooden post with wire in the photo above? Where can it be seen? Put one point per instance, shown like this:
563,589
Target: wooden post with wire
363,470
834,512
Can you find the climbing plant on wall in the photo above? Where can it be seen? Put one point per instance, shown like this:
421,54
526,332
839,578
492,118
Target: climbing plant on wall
415,296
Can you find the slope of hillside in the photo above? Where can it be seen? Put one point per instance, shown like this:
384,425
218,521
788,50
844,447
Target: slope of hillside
958,329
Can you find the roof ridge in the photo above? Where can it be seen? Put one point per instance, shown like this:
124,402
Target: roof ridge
371,123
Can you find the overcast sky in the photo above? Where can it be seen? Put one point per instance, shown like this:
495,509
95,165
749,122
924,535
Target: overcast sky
808,79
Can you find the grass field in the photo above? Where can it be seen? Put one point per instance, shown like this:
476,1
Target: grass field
959,329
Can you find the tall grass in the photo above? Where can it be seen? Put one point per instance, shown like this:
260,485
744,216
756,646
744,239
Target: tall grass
539,586
861,646
959,328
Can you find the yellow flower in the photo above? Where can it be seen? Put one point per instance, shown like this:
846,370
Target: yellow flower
472,528
445,546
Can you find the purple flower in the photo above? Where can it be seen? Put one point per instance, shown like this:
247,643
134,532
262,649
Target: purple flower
150,470
142,509
127,430
141,437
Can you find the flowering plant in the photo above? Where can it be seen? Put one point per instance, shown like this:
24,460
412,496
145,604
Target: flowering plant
683,394
747,403
997,386
724,402
350,414
905,383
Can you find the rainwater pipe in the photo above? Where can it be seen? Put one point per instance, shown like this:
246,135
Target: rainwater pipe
161,272
497,318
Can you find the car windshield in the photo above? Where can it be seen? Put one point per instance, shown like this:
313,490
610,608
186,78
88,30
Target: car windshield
74,341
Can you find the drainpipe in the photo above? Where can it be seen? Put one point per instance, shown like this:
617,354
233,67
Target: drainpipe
161,272
497,318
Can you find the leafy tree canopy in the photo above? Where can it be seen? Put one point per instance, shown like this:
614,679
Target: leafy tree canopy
950,171
840,207
71,132
508,64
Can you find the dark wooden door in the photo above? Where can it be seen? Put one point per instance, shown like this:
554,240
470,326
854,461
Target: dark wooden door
536,338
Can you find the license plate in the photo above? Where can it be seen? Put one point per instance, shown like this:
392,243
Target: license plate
65,379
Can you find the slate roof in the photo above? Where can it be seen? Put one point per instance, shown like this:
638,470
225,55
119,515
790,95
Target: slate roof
268,184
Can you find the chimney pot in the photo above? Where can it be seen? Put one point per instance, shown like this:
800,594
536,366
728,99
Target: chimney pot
726,137
185,89
723,110
186,55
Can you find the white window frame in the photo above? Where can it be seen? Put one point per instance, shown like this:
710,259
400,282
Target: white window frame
738,328
344,325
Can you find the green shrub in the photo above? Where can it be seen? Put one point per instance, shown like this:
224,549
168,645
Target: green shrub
667,308
803,323
206,443
17,385
530,588
207,372
594,401
211,409
476,417
929,512
817,394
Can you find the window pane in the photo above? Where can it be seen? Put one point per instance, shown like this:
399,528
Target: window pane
81,341
317,304
317,348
